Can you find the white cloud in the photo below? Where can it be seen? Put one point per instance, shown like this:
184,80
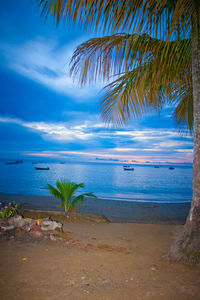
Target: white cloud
55,131
186,151
108,143
173,144
46,63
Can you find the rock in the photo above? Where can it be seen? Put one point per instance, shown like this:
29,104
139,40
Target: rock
36,231
48,225
29,221
17,221
8,227
26,228
52,237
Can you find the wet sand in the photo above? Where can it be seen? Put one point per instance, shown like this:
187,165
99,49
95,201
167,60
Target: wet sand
113,210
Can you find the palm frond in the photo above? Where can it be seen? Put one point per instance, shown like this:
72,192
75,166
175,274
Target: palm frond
75,187
77,199
114,15
65,192
54,192
158,76
183,113
101,58
81,198
151,66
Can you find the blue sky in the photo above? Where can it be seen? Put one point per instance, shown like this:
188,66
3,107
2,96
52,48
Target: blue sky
44,114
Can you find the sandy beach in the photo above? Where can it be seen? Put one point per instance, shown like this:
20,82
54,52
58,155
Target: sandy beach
97,260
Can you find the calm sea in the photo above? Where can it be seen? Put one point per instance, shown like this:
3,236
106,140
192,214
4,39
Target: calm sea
108,181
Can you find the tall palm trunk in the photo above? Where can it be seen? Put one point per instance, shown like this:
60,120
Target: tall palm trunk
187,246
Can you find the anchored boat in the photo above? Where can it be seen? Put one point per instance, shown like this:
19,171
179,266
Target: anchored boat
40,168
128,168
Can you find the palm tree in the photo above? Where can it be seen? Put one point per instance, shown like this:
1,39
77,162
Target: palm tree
65,192
153,54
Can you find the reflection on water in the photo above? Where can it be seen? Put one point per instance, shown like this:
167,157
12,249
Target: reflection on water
105,180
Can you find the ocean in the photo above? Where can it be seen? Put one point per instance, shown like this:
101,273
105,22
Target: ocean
107,181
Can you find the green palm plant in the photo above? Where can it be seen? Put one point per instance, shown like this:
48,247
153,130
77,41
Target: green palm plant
65,192
152,58
142,81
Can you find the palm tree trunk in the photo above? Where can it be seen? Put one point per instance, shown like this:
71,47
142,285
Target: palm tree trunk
187,246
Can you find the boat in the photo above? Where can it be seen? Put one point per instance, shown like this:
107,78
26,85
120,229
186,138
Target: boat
171,168
128,168
14,162
156,167
40,168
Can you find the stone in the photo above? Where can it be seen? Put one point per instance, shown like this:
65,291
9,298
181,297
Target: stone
48,225
52,237
8,227
29,221
26,228
36,231
17,221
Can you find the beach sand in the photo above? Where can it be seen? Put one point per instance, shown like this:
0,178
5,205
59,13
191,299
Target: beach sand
98,261
113,210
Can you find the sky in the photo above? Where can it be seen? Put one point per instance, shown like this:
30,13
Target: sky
45,114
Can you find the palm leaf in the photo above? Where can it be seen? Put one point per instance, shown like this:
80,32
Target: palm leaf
111,14
54,192
81,198
157,63
65,192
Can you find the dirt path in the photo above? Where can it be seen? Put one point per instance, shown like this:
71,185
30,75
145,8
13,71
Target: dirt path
98,261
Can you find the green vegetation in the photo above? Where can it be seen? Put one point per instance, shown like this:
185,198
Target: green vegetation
65,192
7,211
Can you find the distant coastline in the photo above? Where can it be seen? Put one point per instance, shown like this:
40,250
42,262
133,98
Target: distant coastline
96,161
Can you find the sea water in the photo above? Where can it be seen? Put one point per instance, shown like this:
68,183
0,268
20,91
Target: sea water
107,181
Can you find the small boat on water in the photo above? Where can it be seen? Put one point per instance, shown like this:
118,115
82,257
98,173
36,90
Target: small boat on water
40,168
128,168
14,162
171,168
156,167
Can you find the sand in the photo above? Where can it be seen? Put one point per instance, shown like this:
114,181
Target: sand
113,210
99,261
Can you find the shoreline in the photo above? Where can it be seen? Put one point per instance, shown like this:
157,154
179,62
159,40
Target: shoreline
115,211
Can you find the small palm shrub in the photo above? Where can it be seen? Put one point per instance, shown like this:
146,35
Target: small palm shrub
65,192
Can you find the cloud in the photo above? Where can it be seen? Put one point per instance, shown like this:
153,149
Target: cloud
47,63
98,142
55,131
